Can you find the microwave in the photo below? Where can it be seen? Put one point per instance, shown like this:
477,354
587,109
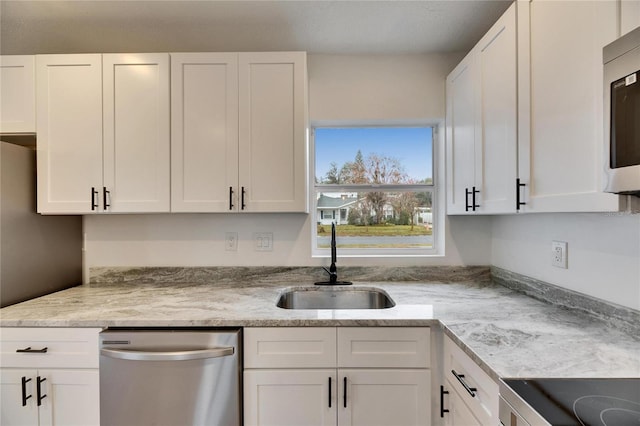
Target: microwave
622,114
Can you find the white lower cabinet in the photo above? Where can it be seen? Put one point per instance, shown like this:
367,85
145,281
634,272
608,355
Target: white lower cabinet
459,413
49,376
380,376
471,396
290,397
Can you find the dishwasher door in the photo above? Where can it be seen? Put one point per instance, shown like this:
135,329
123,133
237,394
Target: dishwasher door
170,377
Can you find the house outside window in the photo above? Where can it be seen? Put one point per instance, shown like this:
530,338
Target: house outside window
380,182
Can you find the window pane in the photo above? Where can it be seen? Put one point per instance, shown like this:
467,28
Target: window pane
374,155
372,219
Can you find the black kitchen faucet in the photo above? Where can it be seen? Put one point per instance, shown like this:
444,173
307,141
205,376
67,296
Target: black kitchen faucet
333,270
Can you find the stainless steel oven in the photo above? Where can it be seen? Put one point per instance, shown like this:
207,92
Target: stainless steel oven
170,377
622,114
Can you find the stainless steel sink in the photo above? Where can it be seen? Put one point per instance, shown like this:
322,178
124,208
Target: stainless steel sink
335,298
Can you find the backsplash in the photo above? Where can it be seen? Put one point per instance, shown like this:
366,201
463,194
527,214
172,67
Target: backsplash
287,275
621,317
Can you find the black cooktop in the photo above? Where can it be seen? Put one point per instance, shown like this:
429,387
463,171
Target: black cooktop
582,402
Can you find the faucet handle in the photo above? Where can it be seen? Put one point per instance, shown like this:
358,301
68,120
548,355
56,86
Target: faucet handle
329,272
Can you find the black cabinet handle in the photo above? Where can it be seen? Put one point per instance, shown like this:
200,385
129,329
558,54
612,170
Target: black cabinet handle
460,377
242,204
32,351
442,394
24,391
39,394
329,392
344,395
466,199
473,198
105,199
231,198
94,205
518,186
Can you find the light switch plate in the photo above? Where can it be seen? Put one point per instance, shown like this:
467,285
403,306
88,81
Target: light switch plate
263,241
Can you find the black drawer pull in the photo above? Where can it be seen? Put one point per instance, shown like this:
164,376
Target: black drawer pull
24,391
28,350
460,377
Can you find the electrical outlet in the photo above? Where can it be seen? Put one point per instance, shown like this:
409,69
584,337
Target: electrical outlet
263,241
231,241
559,254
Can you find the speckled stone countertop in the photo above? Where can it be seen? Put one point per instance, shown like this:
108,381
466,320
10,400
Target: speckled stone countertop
508,333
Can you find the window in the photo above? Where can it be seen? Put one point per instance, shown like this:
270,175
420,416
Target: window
380,180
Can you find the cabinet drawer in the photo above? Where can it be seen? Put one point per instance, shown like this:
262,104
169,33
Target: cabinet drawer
484,403
382,347
66,347
285,347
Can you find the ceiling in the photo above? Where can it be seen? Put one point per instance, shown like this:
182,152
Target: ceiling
315,26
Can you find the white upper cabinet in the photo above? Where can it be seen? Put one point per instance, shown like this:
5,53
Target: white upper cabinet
564,163
461,136
17,94
481,142
239,126
69,126
536,85
136,132
204,132
273,132
497,116
103,133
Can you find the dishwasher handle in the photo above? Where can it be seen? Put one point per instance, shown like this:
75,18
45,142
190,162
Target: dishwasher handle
135,355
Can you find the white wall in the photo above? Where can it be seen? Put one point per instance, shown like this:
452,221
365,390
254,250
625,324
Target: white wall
396,89
378,88
603,252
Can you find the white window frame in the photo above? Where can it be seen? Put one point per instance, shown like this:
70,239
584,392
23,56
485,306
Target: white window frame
438,202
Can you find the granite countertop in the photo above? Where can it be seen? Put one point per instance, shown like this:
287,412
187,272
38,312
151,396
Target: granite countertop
509,334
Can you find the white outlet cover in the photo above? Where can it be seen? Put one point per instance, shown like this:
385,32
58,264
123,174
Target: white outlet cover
231,241
559,254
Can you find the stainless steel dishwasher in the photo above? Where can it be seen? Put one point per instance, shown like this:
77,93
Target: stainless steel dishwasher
170,377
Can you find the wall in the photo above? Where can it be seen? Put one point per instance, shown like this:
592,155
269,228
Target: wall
603,252
393,89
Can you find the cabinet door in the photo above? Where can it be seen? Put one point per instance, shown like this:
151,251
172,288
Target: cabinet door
496,117
384,397
459,414
204,132
69,126
565,160
290,397
273,132
73,397
461,135
136,132
17,94
12,412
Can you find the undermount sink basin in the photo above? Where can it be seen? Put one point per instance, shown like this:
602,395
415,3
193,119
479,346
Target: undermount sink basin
334,298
